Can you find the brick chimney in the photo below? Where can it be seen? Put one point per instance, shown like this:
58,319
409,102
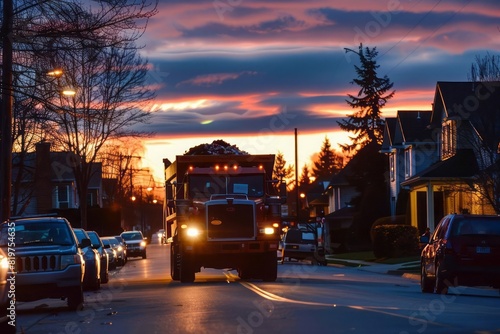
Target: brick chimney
43,183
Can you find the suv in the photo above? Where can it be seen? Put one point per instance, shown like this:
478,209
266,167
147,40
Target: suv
136,244
300,244
48,260
463,250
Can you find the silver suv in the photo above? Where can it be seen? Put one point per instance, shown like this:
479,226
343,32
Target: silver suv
135,242
48,261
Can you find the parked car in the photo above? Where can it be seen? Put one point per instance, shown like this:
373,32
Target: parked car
92,278
119,250
136,244
7,323
298,244
48,260
113,257
463,250
124,245
104,258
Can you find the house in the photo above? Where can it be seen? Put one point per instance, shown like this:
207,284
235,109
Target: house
465,126
410,147
44,181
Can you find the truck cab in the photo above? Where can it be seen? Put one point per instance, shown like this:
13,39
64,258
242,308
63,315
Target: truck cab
221,212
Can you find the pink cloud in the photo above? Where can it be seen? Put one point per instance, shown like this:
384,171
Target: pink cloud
214,79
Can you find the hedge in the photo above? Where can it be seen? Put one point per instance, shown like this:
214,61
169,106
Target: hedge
390,241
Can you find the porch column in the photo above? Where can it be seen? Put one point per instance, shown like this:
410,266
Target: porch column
430,206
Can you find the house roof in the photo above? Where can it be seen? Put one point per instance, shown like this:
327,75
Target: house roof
388,138
463,98
462,165
413,127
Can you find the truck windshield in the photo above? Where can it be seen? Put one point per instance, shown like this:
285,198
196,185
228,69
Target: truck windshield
203,186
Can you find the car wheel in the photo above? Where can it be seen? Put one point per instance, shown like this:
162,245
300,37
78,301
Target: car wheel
144,255
439,285
75,299
426,285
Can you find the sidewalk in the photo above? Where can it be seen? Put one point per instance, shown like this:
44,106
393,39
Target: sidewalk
401,269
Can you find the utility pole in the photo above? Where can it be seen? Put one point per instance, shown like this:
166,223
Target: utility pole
6,116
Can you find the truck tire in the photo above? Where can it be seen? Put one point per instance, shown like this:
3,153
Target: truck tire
174,263
270,267
186,269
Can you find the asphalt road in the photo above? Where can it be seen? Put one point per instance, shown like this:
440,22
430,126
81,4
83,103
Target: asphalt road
141,298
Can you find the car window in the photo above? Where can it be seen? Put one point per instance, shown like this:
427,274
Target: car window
132,236
475,226
42,232
80,235
441,229
94,239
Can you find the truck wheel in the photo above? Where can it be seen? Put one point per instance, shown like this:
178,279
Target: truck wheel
174,264
270,267
186,270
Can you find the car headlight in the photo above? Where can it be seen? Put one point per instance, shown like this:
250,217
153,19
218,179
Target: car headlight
193,232
143,243
67,260
120,248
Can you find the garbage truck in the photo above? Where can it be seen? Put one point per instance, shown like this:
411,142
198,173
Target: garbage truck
223,212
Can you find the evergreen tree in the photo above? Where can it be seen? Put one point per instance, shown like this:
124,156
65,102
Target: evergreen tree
281,171
304,180
366,123
328,163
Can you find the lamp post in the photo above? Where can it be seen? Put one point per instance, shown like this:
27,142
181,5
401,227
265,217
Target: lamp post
6,116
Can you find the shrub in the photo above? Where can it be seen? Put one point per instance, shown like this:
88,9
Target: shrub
395,241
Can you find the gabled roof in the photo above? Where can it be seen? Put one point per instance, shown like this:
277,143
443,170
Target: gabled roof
413,127
461,99
463,165
388,138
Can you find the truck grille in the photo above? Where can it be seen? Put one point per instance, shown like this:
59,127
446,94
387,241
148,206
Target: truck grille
38,263
230,221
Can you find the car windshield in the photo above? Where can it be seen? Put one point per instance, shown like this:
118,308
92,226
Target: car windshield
94,239
486,226
39,232
80,235
132,236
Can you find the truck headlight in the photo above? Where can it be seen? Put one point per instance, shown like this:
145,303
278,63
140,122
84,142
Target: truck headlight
192,232
267,230
4,262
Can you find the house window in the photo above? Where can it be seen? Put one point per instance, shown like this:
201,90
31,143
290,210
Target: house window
392,158
449,134
62,197
408,162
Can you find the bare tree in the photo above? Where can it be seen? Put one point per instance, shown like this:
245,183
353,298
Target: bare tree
485,68
111,96
43,29
121,162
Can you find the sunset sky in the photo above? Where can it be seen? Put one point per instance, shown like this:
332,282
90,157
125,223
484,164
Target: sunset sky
251,71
